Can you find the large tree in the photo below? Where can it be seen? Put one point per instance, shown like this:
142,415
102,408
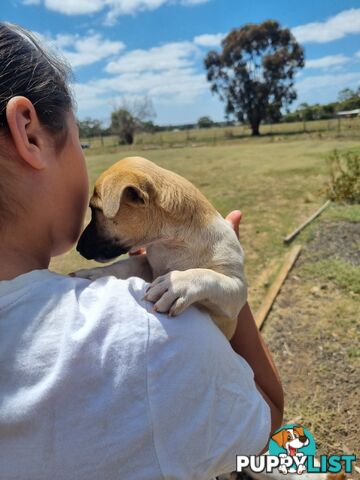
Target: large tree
90,127
129,118
254,72
205,122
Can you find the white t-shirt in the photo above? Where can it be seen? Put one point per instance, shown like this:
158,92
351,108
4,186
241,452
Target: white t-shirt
96,386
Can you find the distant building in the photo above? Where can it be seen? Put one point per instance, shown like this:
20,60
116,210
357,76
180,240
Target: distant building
349,113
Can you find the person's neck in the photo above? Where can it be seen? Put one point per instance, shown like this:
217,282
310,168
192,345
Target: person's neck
16,260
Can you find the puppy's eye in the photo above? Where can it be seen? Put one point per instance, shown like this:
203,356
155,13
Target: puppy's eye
289,437
296,435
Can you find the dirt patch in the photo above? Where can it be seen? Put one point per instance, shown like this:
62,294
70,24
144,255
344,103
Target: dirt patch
336,239
313,333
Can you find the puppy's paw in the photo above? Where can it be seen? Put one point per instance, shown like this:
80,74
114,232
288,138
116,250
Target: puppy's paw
172,292
89,273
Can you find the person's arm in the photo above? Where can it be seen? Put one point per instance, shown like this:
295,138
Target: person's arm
248,342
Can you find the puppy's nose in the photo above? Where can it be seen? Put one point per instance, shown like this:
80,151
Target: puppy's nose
303,438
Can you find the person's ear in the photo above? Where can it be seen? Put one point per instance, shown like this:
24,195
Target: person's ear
26,131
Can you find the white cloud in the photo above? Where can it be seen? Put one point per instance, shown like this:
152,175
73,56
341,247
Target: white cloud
325,88
176,89
209,40
336,27
86,50
193,2
114,8
71,7
167,74
174,86
170,56
328,61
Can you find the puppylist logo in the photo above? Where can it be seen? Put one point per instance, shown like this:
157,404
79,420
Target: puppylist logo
292,449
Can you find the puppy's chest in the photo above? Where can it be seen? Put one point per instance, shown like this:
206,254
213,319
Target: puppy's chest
166,259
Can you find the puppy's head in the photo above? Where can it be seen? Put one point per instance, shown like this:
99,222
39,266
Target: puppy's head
121,212
135,202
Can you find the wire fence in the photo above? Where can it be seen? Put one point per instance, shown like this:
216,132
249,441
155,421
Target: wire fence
337,127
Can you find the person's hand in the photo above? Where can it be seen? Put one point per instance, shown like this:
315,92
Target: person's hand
234,218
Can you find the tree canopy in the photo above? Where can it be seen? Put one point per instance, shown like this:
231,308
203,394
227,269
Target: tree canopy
205,122
349,99
131,117
254,73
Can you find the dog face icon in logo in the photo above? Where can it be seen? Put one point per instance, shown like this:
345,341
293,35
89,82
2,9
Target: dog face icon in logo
292,441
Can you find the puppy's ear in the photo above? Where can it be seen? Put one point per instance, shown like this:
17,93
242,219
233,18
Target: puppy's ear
114,192
280,438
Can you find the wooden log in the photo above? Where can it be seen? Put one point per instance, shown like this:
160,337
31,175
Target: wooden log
309,220
276,286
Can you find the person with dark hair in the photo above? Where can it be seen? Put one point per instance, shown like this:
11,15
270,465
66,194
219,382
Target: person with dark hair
93,383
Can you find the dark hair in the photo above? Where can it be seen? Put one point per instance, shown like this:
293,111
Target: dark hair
27,69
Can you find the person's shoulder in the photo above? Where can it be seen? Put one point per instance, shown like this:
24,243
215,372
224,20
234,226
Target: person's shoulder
190,330
112,289
107,288
192,345
106,299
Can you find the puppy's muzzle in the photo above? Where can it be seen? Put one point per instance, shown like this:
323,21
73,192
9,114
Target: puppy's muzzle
93,246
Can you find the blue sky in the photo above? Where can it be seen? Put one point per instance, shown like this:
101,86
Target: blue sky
122,50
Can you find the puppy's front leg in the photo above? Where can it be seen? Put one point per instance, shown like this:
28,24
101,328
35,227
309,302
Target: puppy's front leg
223,296
134,266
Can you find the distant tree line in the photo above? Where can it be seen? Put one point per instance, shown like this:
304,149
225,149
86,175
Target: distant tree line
347,100
127,120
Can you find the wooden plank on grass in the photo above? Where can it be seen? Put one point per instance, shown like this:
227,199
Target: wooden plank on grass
303,225
276,286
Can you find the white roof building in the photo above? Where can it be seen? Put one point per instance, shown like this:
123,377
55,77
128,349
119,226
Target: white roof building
349,112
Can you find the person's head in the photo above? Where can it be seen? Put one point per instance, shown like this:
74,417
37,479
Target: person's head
43,179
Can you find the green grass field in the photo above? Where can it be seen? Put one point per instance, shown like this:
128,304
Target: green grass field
276,184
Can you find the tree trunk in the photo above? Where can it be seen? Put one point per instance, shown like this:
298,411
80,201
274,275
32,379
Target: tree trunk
128,138
255,128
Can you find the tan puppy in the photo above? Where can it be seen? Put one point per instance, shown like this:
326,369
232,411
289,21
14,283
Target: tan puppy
191,251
